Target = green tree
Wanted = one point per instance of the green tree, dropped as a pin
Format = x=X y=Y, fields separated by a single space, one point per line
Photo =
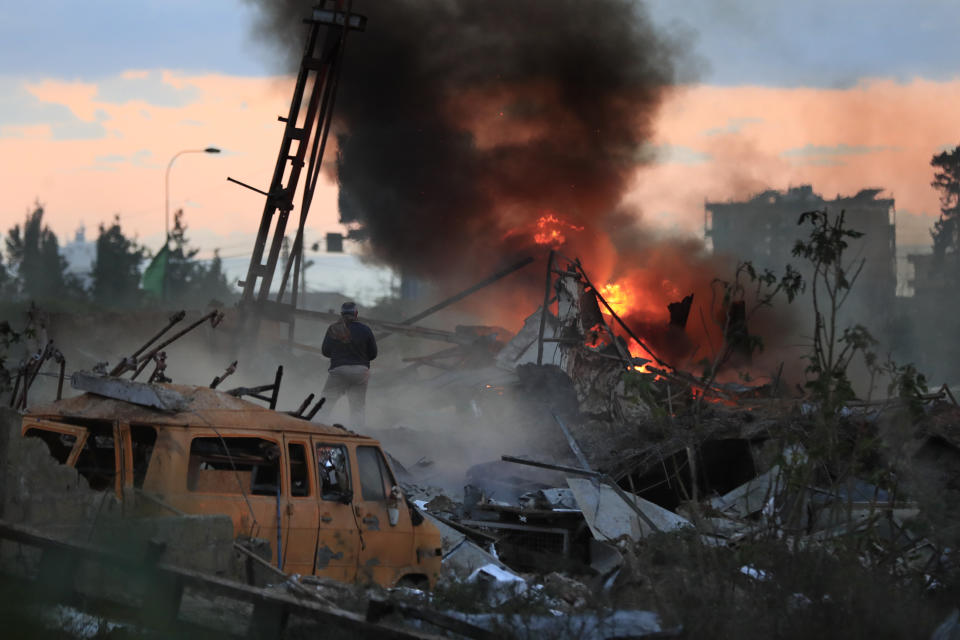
x=116 y=270
x=34 y=254
x=182 y=270
x=212 y=284
x=7 y=283
x=946 y=180
x=188 y=282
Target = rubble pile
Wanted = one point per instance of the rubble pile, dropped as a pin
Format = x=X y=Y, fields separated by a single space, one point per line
x=581 y=491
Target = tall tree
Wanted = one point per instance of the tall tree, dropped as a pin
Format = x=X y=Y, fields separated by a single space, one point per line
x=212 y=284
x=116 y=270
x=946 y=180
x=187 y=281
x=182 y=269
x=6 y=281
x=35 y=256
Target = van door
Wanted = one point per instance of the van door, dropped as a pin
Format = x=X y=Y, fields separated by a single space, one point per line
x=239 y=476
x=301 y=516
x=93 y=449
x=63 y=440
x=338 y=538
x=387 y=547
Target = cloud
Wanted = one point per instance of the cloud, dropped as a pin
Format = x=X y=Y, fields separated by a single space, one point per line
x=110 y=161
x=20 y=107
x=70 y=40
x=831 y=156
x=22 y=112
x=733 y=125
x=78 y=130
x=145 y=86
x=819 y=43
x=679 y=154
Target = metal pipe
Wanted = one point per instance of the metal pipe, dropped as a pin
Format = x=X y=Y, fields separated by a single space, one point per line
x=167 y=183
x=276 y=387
x=316 y=408
x=303 y=405
x=577 y=451
x=622 y=323
x=214 y=317
x=544 y=309
x=226 y=374
x=466 y=292
x=123 y=364
x=63 y=366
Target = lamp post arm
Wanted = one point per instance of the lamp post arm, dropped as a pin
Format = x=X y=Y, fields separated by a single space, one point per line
x=167 y=182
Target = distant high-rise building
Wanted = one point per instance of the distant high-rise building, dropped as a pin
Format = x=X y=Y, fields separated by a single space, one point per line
x=80 y=256
x=764 y=230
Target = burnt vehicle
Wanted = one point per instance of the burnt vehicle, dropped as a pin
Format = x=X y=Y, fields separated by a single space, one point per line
x=324 y=498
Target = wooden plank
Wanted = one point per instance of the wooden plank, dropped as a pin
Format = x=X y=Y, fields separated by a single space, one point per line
x=181 y=578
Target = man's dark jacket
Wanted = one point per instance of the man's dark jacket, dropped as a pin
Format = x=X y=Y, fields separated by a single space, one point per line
x=349 y=343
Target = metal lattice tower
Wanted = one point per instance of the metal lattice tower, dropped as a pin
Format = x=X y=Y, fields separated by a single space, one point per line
x=303 y=144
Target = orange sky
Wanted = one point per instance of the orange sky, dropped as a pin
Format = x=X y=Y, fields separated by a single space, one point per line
x=879 y=133
x=716 y=143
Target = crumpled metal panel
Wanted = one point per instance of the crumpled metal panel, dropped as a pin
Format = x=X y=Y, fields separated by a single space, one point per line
x=202 y=407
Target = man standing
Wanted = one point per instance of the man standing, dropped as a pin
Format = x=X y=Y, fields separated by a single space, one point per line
x=350 y=345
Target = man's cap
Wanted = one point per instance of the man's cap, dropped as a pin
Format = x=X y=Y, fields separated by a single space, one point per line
x=349 y=309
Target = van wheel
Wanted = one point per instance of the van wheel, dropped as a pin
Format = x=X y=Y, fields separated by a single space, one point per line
x=414 y=581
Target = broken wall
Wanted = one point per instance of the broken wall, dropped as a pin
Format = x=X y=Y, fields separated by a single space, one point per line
x=37 y=491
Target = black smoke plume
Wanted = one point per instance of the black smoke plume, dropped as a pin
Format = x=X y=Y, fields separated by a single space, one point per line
x=461 y=122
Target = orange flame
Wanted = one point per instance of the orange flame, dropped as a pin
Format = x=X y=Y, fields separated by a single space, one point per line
x=617 y=297
x=624 y=299
x=551 y=230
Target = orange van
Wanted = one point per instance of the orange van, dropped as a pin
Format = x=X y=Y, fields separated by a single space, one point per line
x=324 y=498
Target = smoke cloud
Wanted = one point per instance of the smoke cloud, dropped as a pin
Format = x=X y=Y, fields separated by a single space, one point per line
x=467 y=131
x=461 y=123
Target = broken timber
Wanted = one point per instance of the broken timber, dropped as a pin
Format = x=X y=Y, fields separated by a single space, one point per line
x=164 y=590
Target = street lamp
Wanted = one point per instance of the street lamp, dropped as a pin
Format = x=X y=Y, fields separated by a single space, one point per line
x=167 y=189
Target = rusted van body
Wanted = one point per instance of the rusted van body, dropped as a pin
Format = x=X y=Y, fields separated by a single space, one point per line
x=324 y=497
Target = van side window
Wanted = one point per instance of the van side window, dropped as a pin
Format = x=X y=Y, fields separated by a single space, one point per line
x=333 y=472
x=234 y=465
x=96 y=461
x=375 y=478
x=59 y=444
x=299 y=473
x=142 y=438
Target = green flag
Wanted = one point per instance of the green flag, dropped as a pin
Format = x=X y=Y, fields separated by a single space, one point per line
x=156 y=273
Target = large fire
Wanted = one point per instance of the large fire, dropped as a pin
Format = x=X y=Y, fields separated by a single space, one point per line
x=623 y=297
x=617 y=296
x=551 y=230
x=645 y=286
